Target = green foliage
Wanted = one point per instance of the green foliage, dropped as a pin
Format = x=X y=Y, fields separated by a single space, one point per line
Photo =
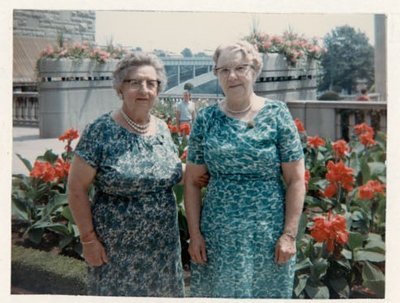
x=41 y=204
x=330 y=95
x=349 y=57
x=187 y=53
x=357 y=264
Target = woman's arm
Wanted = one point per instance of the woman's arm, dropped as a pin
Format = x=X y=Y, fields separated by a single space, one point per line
x=80 y=177
x=293 y=174
x=197 y=247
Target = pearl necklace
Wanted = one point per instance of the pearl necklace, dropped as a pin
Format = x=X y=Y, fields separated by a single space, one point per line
x=139 y=128
x=236 y=112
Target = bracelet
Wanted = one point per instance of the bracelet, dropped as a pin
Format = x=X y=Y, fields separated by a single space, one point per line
x=290 y=235
x=88 y=242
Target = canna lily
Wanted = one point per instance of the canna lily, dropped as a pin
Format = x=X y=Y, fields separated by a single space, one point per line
x=185 y=128
x=62 y=168
x=340 y=174
x=43 y=171
x=368 y=190
x=315 y=142
x=70 y=135
x=299 y=125
x=307 y=178
x=340 y=148
x=365 y=133
x=331 y=229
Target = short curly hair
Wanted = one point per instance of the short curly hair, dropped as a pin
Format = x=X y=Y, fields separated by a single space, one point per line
x=134 y=60
x=248 y=50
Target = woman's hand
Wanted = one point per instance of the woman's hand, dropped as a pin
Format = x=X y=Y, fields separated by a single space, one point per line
x=197 y=249
x=285 y=249
x=94 y=253
x=202 y=180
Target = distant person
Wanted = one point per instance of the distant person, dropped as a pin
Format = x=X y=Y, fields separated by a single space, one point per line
x=364 y=95
x=185 y=111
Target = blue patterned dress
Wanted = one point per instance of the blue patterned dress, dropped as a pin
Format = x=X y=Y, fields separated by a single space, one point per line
x=243 y=211
x=134 y=210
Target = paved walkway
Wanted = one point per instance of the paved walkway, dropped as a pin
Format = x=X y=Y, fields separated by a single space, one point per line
x=29 y=145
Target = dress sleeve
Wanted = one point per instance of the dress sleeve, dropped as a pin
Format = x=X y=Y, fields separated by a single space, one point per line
x=288 y=140
x=88 y=147
x=196 y=140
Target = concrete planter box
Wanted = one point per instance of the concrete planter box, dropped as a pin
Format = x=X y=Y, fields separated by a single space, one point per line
x=278 y=80
x=73 y=93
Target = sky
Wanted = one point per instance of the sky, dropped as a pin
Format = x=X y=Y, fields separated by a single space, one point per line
x=204 y=31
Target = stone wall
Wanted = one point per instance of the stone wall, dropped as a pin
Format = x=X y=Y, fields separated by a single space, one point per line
x=74 y=25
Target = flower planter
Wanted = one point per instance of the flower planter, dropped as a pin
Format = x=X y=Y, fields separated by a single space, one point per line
x=279 y=80
x=73 y=93
x=62 y=68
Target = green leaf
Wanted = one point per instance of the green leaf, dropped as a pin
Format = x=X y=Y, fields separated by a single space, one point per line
x=365 y=171
x=306 y=263
x=347 y=254
x=59 y=229
x=366 y=255
x=302 y=225
x=48 y=156
x=26 y=162
x=355 y=240
x=55 y=203
x=35 y=234
x=318 y=292
x=341 y=287
x=66 y=213
x=178 y=190
x=373 y=278
x=376 y=169
x=300 y=285
x=65 y=240
x=318 y=270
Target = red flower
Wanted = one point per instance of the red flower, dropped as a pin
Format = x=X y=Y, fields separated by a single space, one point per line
x=62 y=168
x=184 y=155
x=185 y=128
x=363 y=128
x=331 y=230
x=44 y=171
x=330 y=190
x=367 y=139
x=299 y=125
x=368 y=190
x=173 y=129
x=340 y=174
x=70 y=135
x=307 y=178
x=341 y=148
x=315 y=142
x=365 y=133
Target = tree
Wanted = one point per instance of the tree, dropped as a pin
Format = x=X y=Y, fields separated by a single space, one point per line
x=188 y=86
x=349 y=57
x=186 y=52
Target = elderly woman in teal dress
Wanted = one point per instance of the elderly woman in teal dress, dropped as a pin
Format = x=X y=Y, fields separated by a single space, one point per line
x=243 y=235
x=129 y=232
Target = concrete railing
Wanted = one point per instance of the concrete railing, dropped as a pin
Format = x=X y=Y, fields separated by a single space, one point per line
x=335 y=119
x=25 y=109
x=330 y=119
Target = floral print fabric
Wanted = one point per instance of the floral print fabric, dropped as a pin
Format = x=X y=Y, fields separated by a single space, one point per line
x=243 y=210
x=134 y=210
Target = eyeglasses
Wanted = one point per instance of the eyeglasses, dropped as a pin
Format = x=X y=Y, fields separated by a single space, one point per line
x=137 y=84
x=239 y=70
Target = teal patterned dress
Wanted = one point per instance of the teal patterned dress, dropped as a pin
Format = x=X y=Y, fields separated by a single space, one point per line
x=134 y=210
x=243 y=210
